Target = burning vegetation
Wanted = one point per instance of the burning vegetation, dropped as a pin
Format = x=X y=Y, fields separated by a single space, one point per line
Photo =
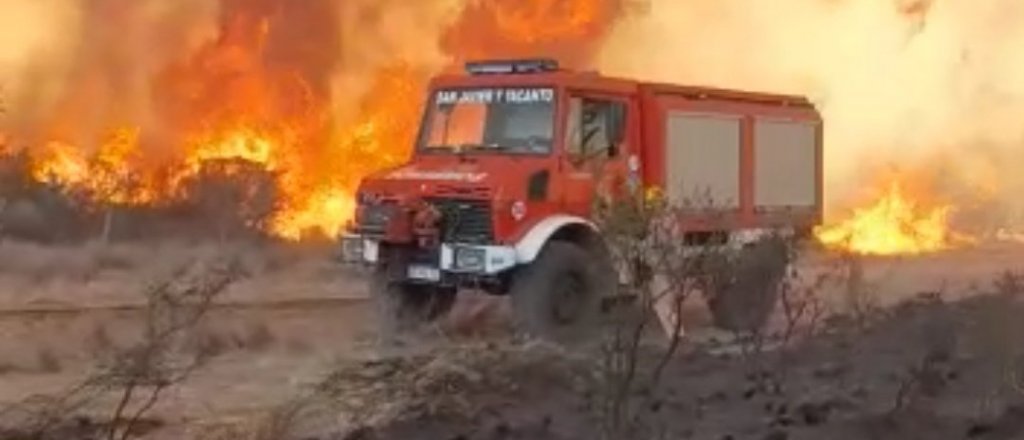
x=936 y=205
x=277 y=108
x=269 y=96
x=894 y=225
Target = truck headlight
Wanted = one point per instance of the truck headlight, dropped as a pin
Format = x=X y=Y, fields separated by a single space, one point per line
x=470 y=258
x=366 y=198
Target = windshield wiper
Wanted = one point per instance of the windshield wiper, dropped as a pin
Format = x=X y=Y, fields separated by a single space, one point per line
x=468 y=147
x=484 y=147
x=438 y=147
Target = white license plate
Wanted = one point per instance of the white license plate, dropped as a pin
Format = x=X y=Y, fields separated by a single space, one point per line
x=425 y=273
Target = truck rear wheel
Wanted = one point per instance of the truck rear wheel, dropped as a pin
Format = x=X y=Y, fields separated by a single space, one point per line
x=558 y=296
x=404 y=307
x=743 y=293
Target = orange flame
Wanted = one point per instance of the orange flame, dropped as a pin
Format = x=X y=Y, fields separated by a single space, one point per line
x=894 y=224
x=233 y=99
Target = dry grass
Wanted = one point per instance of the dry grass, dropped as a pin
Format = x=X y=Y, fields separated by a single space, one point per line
x=257 y=338
x=46 y=262
x=97 y=274
x=17 y=257
x=209 y=343
x=458 y=382
x=47 y=362
x=443 y=381
x=137 y=376
x=100 y=341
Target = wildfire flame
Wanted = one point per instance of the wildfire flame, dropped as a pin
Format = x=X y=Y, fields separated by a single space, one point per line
x=268 y=83
x=232 y=99
x=894 y=224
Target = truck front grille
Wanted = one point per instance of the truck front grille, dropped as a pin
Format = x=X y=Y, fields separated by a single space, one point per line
x=465 y=220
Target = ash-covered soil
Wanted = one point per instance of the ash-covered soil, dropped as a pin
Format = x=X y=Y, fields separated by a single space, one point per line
x=930 y=352
x=926 y=369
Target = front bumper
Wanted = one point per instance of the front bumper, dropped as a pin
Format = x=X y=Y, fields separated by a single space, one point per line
x=452 y=258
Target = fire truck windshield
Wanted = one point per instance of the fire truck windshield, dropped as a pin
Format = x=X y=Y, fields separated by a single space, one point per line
x=517 y=120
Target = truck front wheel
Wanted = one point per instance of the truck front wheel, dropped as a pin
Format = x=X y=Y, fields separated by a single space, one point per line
x=558 y=296
x=402 y=306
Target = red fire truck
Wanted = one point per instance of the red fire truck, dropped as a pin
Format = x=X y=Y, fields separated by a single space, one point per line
x=498 y=193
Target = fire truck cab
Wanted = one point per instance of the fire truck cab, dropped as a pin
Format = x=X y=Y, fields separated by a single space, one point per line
x=499 y=189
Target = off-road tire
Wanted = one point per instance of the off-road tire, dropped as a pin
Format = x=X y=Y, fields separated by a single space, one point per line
x=558 y=296
x=403 y=307
x=743 y=292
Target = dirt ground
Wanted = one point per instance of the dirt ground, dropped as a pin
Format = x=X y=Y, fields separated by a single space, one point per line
x=937 y=359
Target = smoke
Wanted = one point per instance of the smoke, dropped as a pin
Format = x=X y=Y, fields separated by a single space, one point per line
x=72 y=69
x=34 y=49
x=431 y=36
x=376 y=35
x=900 y=82
x=571 y=31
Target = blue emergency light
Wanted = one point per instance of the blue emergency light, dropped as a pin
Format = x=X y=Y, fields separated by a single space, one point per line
x=498 y=67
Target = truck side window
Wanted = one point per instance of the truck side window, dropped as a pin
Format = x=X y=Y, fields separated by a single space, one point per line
x=592 y=124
